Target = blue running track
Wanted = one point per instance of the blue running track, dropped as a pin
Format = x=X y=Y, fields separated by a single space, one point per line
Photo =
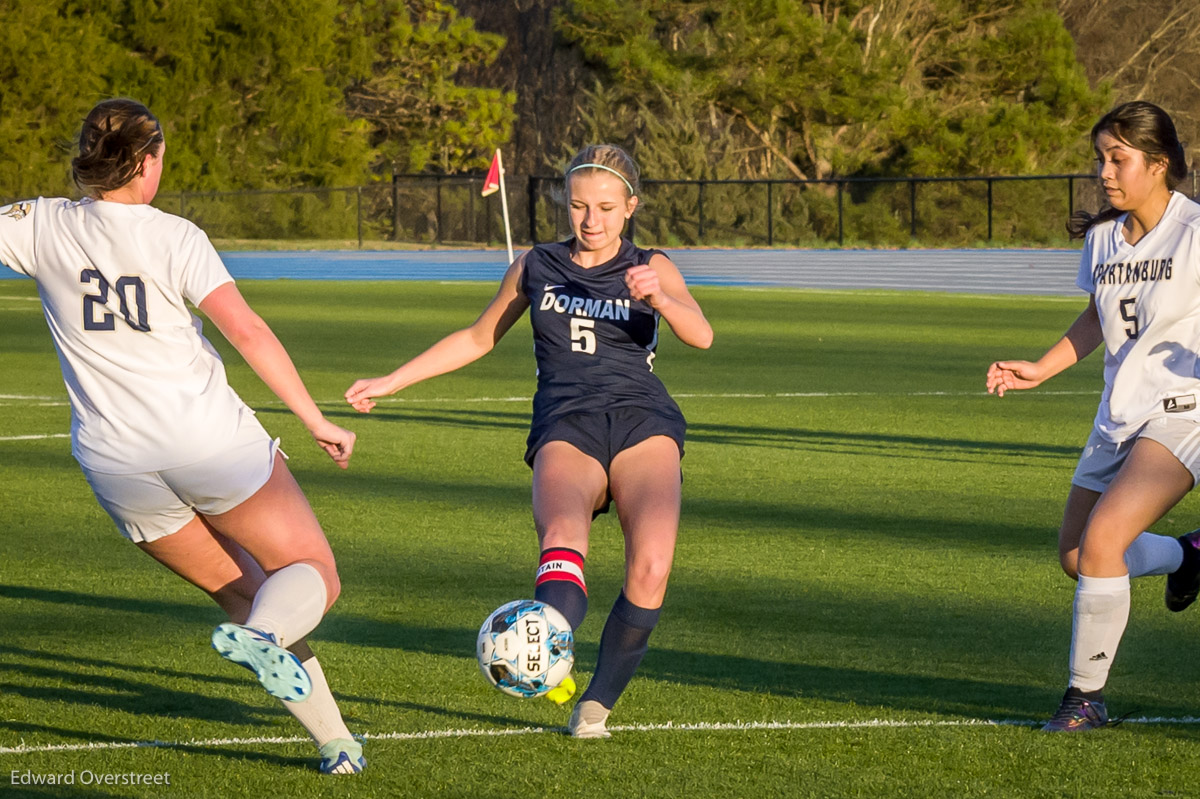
x=960 y=271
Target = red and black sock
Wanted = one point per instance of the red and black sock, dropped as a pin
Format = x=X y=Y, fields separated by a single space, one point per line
x=560 y=584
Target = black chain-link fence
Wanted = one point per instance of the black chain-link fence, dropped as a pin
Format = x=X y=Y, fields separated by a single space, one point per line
x=873 y=212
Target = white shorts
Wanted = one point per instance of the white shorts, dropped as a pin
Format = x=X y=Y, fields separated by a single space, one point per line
x=149 y=505
x=1102 y=459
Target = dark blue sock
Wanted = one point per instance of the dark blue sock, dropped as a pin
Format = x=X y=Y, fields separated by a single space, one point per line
x=560 y=584
x=622 y=645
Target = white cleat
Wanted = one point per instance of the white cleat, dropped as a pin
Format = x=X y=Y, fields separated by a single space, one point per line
x=587 y=720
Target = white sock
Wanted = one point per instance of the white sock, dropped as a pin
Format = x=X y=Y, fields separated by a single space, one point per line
x=289 y=604
x=1153 y=554
x=319 y=713
x=1101 y=611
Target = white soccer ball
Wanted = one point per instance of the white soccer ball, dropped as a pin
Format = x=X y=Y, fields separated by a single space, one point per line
x=525 y=648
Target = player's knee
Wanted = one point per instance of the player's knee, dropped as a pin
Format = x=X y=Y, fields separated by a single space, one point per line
x=649 y=575
x=329 y=575
x=333 y=587
x=1103 y=546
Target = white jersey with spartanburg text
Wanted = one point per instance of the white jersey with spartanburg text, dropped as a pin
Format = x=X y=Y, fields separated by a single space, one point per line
x=1148 y=299
x=148 y=391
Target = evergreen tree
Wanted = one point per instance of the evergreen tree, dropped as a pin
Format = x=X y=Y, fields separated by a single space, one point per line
x=251 y=93
x=836 y=88
x=403 y=58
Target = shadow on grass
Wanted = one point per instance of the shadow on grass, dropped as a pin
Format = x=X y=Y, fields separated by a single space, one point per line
x=857 y=524
x=877 y=444
x=470 y=419
x=83 y=681
x=209 y=615
x=795 y=517
x=840 y=442
x=93 y=737
x=899 y=631
x=92 y=681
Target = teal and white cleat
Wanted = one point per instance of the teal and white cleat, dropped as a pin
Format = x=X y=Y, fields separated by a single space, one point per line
x=277 y=669
x=342 y=756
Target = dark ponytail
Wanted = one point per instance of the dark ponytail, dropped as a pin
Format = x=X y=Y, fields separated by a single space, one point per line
x=115 y=137
x=1081 y=221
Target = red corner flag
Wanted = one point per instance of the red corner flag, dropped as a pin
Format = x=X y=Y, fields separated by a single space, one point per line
x=494 y=182
x=491 y=184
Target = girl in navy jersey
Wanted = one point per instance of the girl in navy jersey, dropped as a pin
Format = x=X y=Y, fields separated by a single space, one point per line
x=171 y=452
x=1141 y=268
x=604 y=429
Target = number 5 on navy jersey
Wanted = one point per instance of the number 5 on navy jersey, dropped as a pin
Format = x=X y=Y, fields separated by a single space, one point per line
x=583 y=337
x=105 y=320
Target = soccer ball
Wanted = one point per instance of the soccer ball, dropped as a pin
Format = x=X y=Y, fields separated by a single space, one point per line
x=525 y=648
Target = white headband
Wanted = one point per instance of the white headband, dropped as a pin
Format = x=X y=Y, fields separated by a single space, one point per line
x=606 y=169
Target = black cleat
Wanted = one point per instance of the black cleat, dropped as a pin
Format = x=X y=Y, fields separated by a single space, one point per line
x=1078 y=713
x=1183 y=584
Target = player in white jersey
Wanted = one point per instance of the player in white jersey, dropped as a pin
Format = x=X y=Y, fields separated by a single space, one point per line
x=604 y=427
x=171 y=452
x=1141 y=266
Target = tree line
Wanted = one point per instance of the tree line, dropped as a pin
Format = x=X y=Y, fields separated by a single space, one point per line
x=262 y=93
x=251 y=93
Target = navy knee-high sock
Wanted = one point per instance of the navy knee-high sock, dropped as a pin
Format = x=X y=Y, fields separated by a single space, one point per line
x=623 y=643
x=560 y=584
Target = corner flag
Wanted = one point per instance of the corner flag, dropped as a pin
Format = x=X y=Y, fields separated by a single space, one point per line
x=492 y=183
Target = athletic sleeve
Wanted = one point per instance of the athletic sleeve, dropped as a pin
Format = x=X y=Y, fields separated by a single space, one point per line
x=203 y=270
x=644 y=256
x=17 y=236
x=1086 y=280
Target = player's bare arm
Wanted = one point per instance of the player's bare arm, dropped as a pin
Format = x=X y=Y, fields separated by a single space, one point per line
x=1081 y=338
x=255 y=341
x=455 y=350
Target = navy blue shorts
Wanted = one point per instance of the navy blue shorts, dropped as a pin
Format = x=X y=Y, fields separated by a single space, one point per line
x=603 y=435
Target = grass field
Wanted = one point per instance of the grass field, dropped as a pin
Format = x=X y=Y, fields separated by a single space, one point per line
x=865 y=576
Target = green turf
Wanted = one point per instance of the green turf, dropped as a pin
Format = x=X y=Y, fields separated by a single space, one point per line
x=866 y=536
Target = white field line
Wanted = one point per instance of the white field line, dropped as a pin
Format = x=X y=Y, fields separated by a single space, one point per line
x=7 y=399
x=734 y=395
x=34 y=402
x=16 y=399
x=735 y=726
x=35 y=438
x=21 y=299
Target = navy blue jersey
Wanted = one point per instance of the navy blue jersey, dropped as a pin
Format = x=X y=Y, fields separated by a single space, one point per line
x=595 y=346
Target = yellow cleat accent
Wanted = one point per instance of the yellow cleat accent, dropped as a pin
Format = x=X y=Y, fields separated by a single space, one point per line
x=564 y=691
